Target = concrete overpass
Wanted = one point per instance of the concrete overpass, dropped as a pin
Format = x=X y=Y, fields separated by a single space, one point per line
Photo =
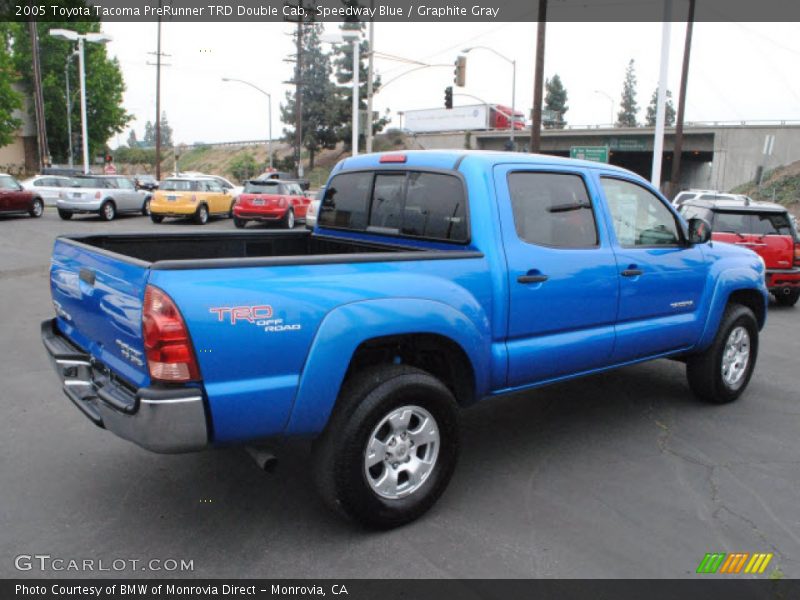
x=717 y=156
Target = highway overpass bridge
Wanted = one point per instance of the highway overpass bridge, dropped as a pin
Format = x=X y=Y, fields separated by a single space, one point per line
x=716 y=156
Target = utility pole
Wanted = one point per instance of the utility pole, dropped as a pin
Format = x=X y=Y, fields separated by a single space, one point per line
x=675 y=178
x=41 y=130
x=298 y=101
x=158 y=64
x=370 y=76
x=538 y=79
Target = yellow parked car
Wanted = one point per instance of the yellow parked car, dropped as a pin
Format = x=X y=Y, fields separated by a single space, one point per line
x=183 y=197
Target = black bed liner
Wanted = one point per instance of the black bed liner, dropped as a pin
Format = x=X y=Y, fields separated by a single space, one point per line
x=180 y=251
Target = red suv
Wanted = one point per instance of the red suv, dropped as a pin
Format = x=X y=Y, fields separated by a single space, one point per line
x=763 y=227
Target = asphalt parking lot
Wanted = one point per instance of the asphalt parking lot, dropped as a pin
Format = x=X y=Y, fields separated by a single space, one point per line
x=623 y=474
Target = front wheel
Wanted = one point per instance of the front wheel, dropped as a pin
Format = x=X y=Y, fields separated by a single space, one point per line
x=156 y=218
x=787 y=297
x=37 y=208
x=390 y=447
x=64 y=214
x=721 y=373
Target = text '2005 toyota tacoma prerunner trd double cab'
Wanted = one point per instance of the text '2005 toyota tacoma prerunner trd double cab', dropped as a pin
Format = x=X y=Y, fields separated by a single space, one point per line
x=432 y=280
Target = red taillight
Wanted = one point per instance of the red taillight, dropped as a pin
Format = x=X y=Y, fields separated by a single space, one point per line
x=170 y=356
x=393 y=158
x=797 y=254
x=98 y=195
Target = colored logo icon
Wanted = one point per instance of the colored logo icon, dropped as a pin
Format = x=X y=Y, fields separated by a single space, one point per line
x=734 y=563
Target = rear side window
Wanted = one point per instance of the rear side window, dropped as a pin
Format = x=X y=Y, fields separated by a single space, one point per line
x=552 y=209
x=346 y=201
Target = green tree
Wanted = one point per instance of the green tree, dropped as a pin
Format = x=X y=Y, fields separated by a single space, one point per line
x=344 y=77
x=669 y=110
x=626 y=117
x=320 y=110
x=165 y=131
x=10 y=98
x=149 y=135
x=104 y=84
x=555 y=100
x=243 y=166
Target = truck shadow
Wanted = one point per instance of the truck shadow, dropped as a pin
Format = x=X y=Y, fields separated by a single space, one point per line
x=220 y=502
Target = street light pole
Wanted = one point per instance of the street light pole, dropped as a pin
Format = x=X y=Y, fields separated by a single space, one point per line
x=81 y=38
x=69 y=110
x=269 y=108
x=356 y=89
x=513 y=63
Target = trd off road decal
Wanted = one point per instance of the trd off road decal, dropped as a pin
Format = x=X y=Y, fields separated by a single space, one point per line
x=260 y=316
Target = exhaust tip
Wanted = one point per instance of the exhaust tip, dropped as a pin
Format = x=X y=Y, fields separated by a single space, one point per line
x=265 y=460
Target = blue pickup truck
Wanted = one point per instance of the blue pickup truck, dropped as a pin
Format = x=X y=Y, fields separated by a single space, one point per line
x=433 y=280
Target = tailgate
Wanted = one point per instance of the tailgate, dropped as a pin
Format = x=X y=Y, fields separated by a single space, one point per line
x=98 y=300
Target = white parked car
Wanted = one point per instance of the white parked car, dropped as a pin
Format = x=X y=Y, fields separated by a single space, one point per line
x=47 y=187
x=313 y=210
x=104 y=195
x=227 y=185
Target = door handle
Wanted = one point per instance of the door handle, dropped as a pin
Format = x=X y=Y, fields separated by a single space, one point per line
x=631 y=272
x=532 y=278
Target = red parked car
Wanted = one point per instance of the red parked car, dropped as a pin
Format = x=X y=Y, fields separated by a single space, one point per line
x=763 y=227
x=16 y=199
x=272 y=201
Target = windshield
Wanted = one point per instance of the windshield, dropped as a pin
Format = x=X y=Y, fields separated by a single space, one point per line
x=261 y=187
x=178 y=185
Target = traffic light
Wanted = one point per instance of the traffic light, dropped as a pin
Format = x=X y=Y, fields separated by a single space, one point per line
x=460 y=73
x=448 y=97
x=109 y=158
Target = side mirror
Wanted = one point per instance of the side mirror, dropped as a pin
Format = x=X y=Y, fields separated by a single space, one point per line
x=699 y=231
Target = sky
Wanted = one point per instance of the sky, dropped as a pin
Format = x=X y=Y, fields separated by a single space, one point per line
x=739 y=71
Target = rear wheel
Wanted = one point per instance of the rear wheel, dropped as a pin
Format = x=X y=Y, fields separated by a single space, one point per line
x=108 y=211
x=390 y=447
x=64 y=214
x=37 y=208
x=787 y=297
x=239 y=223
x=721 y=373
x=201 y=216
x=288 y=220
x=156 y=218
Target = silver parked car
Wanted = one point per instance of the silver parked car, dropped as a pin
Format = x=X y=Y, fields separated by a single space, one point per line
x=104 y=195
x=47 y=187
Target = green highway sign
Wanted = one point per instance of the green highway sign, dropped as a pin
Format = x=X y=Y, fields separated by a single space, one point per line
x=594 y=153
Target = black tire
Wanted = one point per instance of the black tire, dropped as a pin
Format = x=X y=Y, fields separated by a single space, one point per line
x=64 y=214
x=201 y=216
x=108 y=211
x=705 y=370
x=790 y=299
x=156 y=218
x=146 y=208
x=239 y=223
x=288 y=220
x=339 y=453
x=37 y=208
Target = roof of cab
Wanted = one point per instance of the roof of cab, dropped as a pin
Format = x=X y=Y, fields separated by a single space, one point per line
x=451 y=159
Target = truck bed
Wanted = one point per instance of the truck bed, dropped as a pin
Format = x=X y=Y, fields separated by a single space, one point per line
x=236 y=249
